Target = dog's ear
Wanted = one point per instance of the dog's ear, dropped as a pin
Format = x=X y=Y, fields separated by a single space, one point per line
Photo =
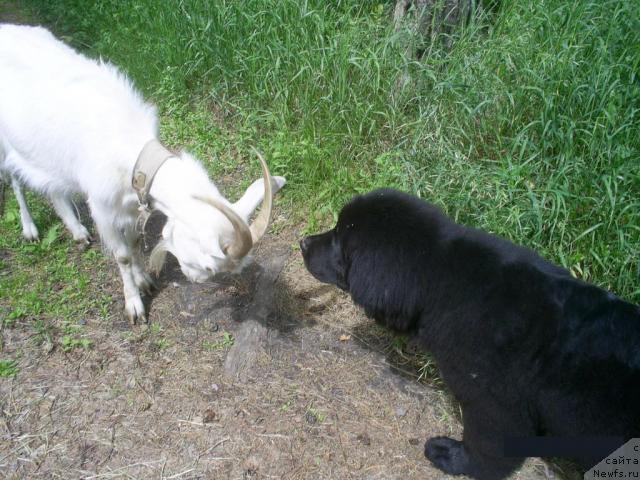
x=389 y=288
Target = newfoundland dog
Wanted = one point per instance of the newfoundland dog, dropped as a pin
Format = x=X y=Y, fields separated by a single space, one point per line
x=542 y=364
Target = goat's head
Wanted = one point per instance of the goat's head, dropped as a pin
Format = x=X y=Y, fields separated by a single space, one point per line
x=220 y=238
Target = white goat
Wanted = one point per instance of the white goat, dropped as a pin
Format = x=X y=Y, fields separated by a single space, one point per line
x=72 y=124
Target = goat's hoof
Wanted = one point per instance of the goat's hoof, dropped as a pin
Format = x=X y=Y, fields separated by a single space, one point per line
x=83 y=245
x=137 y=319
x=81 y=235
x=30 y=233
x=134 y=309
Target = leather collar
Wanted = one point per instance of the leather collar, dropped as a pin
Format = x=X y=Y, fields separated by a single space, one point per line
x=149 y=161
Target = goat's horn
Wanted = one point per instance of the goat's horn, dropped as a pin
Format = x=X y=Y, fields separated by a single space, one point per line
x=242 y=242
x=260 y=224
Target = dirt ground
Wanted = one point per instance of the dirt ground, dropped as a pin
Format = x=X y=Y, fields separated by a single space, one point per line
x=266 y=374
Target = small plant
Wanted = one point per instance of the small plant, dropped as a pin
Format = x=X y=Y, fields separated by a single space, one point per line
x=399 y=344
x=15 y=314
x=161 y=343
x=314 y=415
x=286 y=406
x=156 y=337
x=156 y=329
x=71 y=343
x=73 y=339
x=43 y=332
x=49 y=239
x=225 y=342
x=8 y=368
x=429 y=371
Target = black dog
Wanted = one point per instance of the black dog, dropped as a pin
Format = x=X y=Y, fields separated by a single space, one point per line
x=528 y=350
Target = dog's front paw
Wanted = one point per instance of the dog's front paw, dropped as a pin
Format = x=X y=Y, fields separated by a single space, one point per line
x=447 y=454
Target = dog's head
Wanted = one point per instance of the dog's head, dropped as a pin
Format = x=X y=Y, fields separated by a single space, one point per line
x=377 y=252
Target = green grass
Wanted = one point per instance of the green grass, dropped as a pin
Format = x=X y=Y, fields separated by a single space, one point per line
x=8 y=368
x=49 y=287
x=527 y=128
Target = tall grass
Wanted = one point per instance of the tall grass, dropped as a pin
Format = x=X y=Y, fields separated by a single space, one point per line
x=528 y=127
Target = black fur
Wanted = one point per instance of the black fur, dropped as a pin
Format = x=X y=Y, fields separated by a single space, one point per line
x=525 y=348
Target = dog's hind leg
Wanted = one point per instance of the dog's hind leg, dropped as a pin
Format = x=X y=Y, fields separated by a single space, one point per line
x=480 y=455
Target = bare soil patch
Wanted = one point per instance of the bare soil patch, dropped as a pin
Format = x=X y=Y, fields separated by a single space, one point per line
x=266 y=374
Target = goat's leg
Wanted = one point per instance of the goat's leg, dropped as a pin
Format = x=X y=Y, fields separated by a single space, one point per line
x=141 y=278
x=119 y=241
x=29 y=230
x=133 y=306
x=65 y=210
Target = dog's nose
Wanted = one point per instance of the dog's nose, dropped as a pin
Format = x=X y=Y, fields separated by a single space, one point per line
x=304 y=244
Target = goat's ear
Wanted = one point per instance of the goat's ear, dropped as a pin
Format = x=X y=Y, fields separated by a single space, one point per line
x=250 y=200
x=157 y=257
x=254 y=195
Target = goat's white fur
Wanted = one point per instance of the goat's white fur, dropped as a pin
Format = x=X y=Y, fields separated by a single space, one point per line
x=70 y=124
